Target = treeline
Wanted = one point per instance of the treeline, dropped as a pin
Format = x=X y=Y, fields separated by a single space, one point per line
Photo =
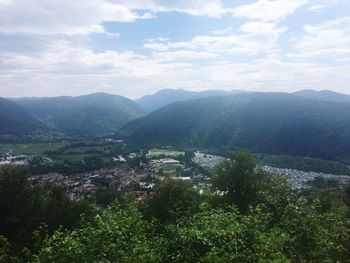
x=67 y=167
x=27 y=209
x=247 y=216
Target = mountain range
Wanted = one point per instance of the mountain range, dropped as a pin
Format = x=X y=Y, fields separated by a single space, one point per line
x=16 y=120
x=306 y=123
x=323 y=95
x=275 y=123
x=89 y=114
x=167 y=96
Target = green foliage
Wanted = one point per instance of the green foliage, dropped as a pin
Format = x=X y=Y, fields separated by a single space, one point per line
x=239 y=181
x=116 y=235
x=284 y=227
x=5 y=251
x=104 y=197
x=219 y=236
x=172 y=200
x=24 y=207
x=312 y=235
x=260 y=218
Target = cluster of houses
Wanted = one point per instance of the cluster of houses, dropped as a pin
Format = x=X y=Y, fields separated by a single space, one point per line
x=207 y=160
x=15 y=160
x=86 y=184
x=298 y=179
x=301 y=179
x=122 y=178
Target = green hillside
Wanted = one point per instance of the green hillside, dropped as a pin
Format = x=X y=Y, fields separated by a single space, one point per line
x=16 y=120
x=90 y=114
x=167 y=96
x=274 y=123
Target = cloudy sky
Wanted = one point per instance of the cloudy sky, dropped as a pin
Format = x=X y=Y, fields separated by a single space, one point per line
x=136 y=47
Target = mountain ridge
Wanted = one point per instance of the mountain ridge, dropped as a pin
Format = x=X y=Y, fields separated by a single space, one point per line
x=165 y=97
x=16 y=120
x=86 y=114
x=276 y=123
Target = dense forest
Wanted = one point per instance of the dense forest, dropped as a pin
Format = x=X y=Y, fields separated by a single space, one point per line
x=247 y=216
x=272 y=123
x=16 y=120
x=96 y=113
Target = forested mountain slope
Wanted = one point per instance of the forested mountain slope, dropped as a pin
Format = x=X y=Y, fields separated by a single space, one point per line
x=167 y=96
x=15 y=120
x=276 y=123
x=90 y=114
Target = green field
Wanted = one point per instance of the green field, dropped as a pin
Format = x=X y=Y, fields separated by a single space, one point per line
x=83 y=149
x=72 y=157
x=37 y=149
x=154 y=153
x=59 y=151
x=170 y=169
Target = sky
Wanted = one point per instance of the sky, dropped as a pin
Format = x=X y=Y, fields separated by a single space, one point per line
x=137 y=47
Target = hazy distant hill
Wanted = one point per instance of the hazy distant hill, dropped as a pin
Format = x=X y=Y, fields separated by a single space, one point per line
x=273 y=123
x=323 y=95
x=167 y=96
x=15 y=120
x=90 y=114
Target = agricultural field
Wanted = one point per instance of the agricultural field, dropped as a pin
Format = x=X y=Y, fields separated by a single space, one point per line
x=58 y=153
x=155 y=153
x=84 y=149
x=37 y=149
x=74 y=158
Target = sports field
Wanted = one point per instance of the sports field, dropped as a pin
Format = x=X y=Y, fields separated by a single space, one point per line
x=171 y=169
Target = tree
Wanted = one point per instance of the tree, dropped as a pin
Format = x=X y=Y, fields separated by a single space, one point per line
x=347 y=196
x=239 y=180
x=224 y=236
x=17 y=212
x=312 y=234
x=5 y=251
x=25 y=207
x=171 y=200
x=116 y=235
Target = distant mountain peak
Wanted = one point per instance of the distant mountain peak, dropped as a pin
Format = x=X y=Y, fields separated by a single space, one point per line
x=323 y=95
x=96 y=113
x=167 y=96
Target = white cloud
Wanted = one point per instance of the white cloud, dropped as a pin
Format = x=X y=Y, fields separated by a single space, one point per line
x=252 y=38
x=44 y=50
x=222 y=31
x=212 y=8
x=329 y=40
x=316 y=8
x=47 y=17
x=61 y=17
x=261 y=28
x=170 y=56
x=268 y=10
x=73 y=69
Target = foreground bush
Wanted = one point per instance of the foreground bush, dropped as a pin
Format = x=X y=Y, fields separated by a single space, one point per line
x=117 y=235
